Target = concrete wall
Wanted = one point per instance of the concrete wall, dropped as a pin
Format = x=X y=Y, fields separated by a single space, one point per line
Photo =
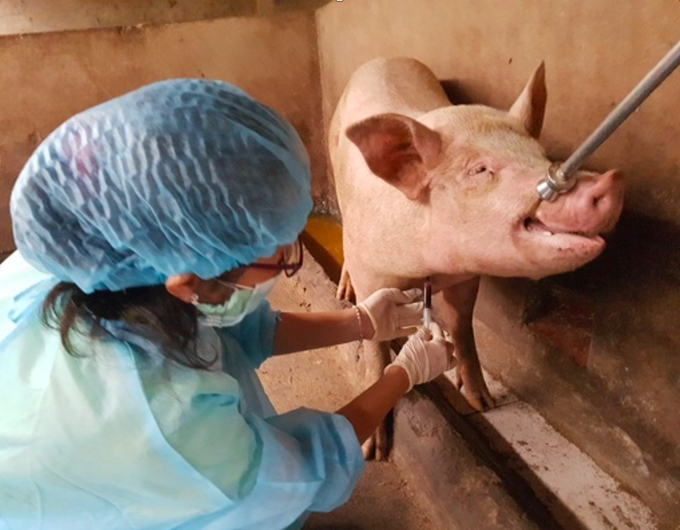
x=40 y=16
x=47 y=78
x=596 y=351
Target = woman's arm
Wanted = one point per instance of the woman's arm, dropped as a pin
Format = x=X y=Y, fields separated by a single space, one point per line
x=367 y=411
x=307 y=331
x=385 y=315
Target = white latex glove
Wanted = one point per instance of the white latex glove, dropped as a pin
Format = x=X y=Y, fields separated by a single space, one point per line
x=393 y=313
x=425 y=356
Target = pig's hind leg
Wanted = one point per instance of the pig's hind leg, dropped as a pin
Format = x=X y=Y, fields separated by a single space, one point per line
x=455 y=308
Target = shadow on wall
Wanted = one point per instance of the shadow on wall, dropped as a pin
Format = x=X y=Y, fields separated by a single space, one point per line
x=634 y=289
x=458 y=93
x=598 y=351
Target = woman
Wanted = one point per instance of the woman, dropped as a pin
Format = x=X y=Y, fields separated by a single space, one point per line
x=149 y=230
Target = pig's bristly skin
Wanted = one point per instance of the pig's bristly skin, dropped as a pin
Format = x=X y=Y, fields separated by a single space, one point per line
x=427 y=188
x=457 y=183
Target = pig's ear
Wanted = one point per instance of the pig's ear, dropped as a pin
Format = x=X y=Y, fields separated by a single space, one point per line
x=529 y=108
x=398 y=149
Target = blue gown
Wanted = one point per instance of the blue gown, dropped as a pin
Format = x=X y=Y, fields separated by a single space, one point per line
x=121 y=438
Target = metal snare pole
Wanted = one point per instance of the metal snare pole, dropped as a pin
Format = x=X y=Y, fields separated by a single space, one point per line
x=560 y=177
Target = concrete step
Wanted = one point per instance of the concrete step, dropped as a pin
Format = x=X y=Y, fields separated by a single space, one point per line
x=576 y=491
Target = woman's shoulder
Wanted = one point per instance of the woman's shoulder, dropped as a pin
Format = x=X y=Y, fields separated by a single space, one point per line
x=22 y=289
x=16 y=276
x=15 y=266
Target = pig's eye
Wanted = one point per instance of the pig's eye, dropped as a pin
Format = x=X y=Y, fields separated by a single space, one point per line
x=480 y=168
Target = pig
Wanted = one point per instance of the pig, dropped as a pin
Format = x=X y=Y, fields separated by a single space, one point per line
x=427 y=188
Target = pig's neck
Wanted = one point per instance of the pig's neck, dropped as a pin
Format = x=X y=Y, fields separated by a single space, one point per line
x=441 y=248
x=404 y=241
x=444 y=257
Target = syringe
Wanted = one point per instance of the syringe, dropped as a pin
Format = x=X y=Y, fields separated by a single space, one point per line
x=427 y=306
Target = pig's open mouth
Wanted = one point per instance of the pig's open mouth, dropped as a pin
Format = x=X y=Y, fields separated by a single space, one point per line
x=537 y=227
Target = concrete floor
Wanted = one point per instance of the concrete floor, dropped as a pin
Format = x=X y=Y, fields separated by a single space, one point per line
x=383 y=498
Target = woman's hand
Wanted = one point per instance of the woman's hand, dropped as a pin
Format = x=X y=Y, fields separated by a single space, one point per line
x=425 y=356
x=392 y=313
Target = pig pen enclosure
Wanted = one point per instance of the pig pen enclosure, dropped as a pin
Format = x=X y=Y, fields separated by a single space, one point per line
x=583 y=366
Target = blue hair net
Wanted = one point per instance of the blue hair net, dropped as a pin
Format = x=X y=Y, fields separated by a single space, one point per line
x=176 y=177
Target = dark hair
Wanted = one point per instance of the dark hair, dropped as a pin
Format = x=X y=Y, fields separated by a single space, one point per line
x=172 y=322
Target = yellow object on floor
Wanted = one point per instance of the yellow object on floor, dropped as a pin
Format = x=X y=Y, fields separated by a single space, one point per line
x=323 y=239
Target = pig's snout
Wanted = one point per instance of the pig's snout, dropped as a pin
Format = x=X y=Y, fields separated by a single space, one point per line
x=602 y=202
x=592 y=207
x=608 y=189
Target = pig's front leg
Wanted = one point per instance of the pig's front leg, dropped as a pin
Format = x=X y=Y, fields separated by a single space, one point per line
x=375 y=355
x=455 y=309
x=376 y=358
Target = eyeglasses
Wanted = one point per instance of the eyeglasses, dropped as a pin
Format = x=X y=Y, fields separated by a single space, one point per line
x=290 y=262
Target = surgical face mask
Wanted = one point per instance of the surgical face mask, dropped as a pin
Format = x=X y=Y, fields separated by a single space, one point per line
x=241 y=303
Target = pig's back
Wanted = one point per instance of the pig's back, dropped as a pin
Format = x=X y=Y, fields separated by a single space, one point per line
x=402 y=85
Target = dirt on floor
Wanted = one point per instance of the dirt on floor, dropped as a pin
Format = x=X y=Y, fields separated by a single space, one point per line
x=319 y=380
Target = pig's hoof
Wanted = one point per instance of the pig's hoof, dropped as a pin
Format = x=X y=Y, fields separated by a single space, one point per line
x=479 y=402
x=478 y=397
x=375 y=447
x=474 y=390
x=345 y=290
x=368 y=448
